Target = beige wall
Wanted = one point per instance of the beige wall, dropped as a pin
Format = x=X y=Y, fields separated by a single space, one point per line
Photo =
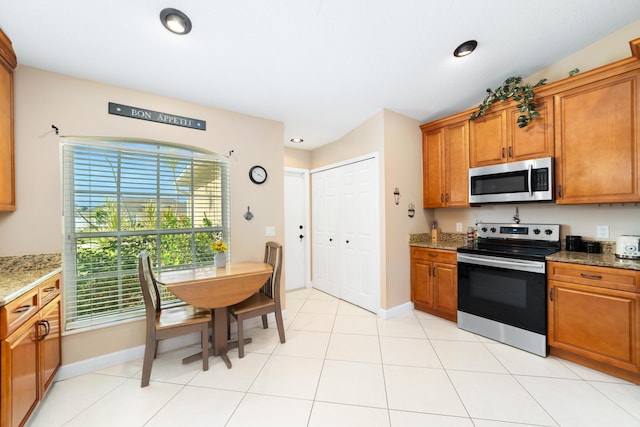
x=79 y=107
x=297 y=158
x=397 y=140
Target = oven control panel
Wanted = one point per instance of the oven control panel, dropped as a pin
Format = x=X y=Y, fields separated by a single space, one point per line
x=546 y=232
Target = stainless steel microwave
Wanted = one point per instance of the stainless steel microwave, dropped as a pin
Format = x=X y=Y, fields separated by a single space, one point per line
x=525 y=181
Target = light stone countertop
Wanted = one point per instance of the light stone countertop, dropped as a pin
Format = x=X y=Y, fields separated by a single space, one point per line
x=19 y=274
x=601 y=260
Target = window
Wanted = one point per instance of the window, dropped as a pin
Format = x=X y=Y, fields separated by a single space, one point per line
x=123 y=196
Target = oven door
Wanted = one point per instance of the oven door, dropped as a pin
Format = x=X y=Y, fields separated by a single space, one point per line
x=505 y=290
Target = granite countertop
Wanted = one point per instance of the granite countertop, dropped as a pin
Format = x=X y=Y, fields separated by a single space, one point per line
x=22 y=273
x=447 y=241
x=601 y=260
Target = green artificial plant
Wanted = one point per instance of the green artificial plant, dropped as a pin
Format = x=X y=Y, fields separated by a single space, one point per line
x=513 y=88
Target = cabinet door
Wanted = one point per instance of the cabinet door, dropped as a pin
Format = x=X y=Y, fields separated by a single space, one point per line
x=19 y=375
x=457 y=164
x=421 y=283
x=445 y=288
x=534 y=140
x=487 y=139
x=432 y=169
x=597 y=323
x=7 y=186
x=596 y=141
x=50 y=345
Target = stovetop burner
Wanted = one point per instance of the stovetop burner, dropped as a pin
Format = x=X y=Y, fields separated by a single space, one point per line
x=521 y=241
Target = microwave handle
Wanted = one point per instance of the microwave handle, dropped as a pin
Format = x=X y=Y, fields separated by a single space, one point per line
x=529 y=178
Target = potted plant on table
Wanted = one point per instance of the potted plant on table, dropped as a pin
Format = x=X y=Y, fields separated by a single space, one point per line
x=220 y=249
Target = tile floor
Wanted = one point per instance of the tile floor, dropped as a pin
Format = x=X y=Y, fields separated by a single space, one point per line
x=343 y=366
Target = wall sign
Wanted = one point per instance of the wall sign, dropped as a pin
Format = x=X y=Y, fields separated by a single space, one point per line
x=156 y=116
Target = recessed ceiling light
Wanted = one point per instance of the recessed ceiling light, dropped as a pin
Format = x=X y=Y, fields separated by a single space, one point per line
x=297 y=140
x=175 y=21
x=465 y=48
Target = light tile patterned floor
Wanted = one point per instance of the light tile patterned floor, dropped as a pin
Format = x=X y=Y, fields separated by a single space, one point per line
x=343 y=366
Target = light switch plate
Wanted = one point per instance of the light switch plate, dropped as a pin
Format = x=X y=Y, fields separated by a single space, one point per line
x=270 y=231
x=602 y=231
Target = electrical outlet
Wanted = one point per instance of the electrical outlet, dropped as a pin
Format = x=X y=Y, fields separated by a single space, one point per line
x=602 y=231
x=458 y=227
x=270 y=231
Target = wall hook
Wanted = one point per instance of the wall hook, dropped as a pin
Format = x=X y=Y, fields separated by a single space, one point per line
x=248 y=215
x=56 y=128
x=231 y=152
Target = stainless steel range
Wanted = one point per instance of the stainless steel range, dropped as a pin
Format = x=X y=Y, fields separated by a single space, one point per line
x=502 y=283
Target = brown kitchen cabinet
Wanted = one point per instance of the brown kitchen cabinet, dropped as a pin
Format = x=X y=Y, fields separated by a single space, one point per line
x=445 y=162
x=496 y=138
x=30 y=349
x=434 y=281
x=7 y=165
x=593 y=317
x=597 y=159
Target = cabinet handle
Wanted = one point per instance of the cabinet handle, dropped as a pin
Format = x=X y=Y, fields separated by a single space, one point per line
x=446 y=197
x=503 y=152
x=434 y=272
x=22 y=308
x=47 y=329
x=551 y=294
x=560 y=191
x=591 y=276
x=510 y=152
x=432 y=254
x=441 y=198
x=49 y=289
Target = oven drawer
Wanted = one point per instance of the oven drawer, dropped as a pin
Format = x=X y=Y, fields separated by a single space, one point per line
x=437 y=255
x=602 y=277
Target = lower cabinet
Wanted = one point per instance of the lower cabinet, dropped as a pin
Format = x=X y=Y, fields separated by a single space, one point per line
x=31 y=356
x=594 y=317
x=434 y=282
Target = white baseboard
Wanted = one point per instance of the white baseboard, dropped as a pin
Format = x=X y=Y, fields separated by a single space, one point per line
x=130 y=354
x=395 y=311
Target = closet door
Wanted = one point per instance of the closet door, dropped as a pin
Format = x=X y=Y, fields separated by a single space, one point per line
x=325 y=216
x=346 y=233
x=360 y=284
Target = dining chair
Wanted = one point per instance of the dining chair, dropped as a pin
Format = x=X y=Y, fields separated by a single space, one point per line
x=263 y=302
x=163 y=323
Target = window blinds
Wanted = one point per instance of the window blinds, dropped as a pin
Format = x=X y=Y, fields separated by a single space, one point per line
x=123 y=196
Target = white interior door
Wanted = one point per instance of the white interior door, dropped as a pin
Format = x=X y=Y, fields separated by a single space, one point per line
x=360 y=283
x=296 y=223
x=346 y=232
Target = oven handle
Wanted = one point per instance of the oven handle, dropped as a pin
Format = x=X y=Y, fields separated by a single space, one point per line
x=513 y=264
x=529 y=176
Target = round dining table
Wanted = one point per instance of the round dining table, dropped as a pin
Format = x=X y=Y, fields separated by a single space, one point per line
x=217 y=289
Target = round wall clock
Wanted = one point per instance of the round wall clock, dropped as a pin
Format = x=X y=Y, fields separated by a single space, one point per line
x=257 y=174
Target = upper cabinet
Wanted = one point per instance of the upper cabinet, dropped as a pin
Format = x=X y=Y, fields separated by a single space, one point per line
x=597 y=157
x=496 y=138
x=7 y=174
x=445 y=162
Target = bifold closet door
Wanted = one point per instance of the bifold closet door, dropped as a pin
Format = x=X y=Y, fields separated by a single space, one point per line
x=346 y=233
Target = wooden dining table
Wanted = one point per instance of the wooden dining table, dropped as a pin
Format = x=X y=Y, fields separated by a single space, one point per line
x=217 y=289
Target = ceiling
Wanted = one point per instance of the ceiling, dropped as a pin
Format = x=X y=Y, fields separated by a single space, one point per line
x=321 y=67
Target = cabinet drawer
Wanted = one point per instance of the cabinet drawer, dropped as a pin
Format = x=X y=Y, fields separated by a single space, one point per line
x=603 y=277
x=438 y=255
x=18 y=311
x=49 y=289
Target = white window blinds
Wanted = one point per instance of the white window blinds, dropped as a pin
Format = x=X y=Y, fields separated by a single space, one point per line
x=121 y=197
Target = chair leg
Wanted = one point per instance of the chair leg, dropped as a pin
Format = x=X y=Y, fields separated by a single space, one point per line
x=205 y=346
x=240 y=337
x=150 y=350
x=265 y=322
x=280 y=325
